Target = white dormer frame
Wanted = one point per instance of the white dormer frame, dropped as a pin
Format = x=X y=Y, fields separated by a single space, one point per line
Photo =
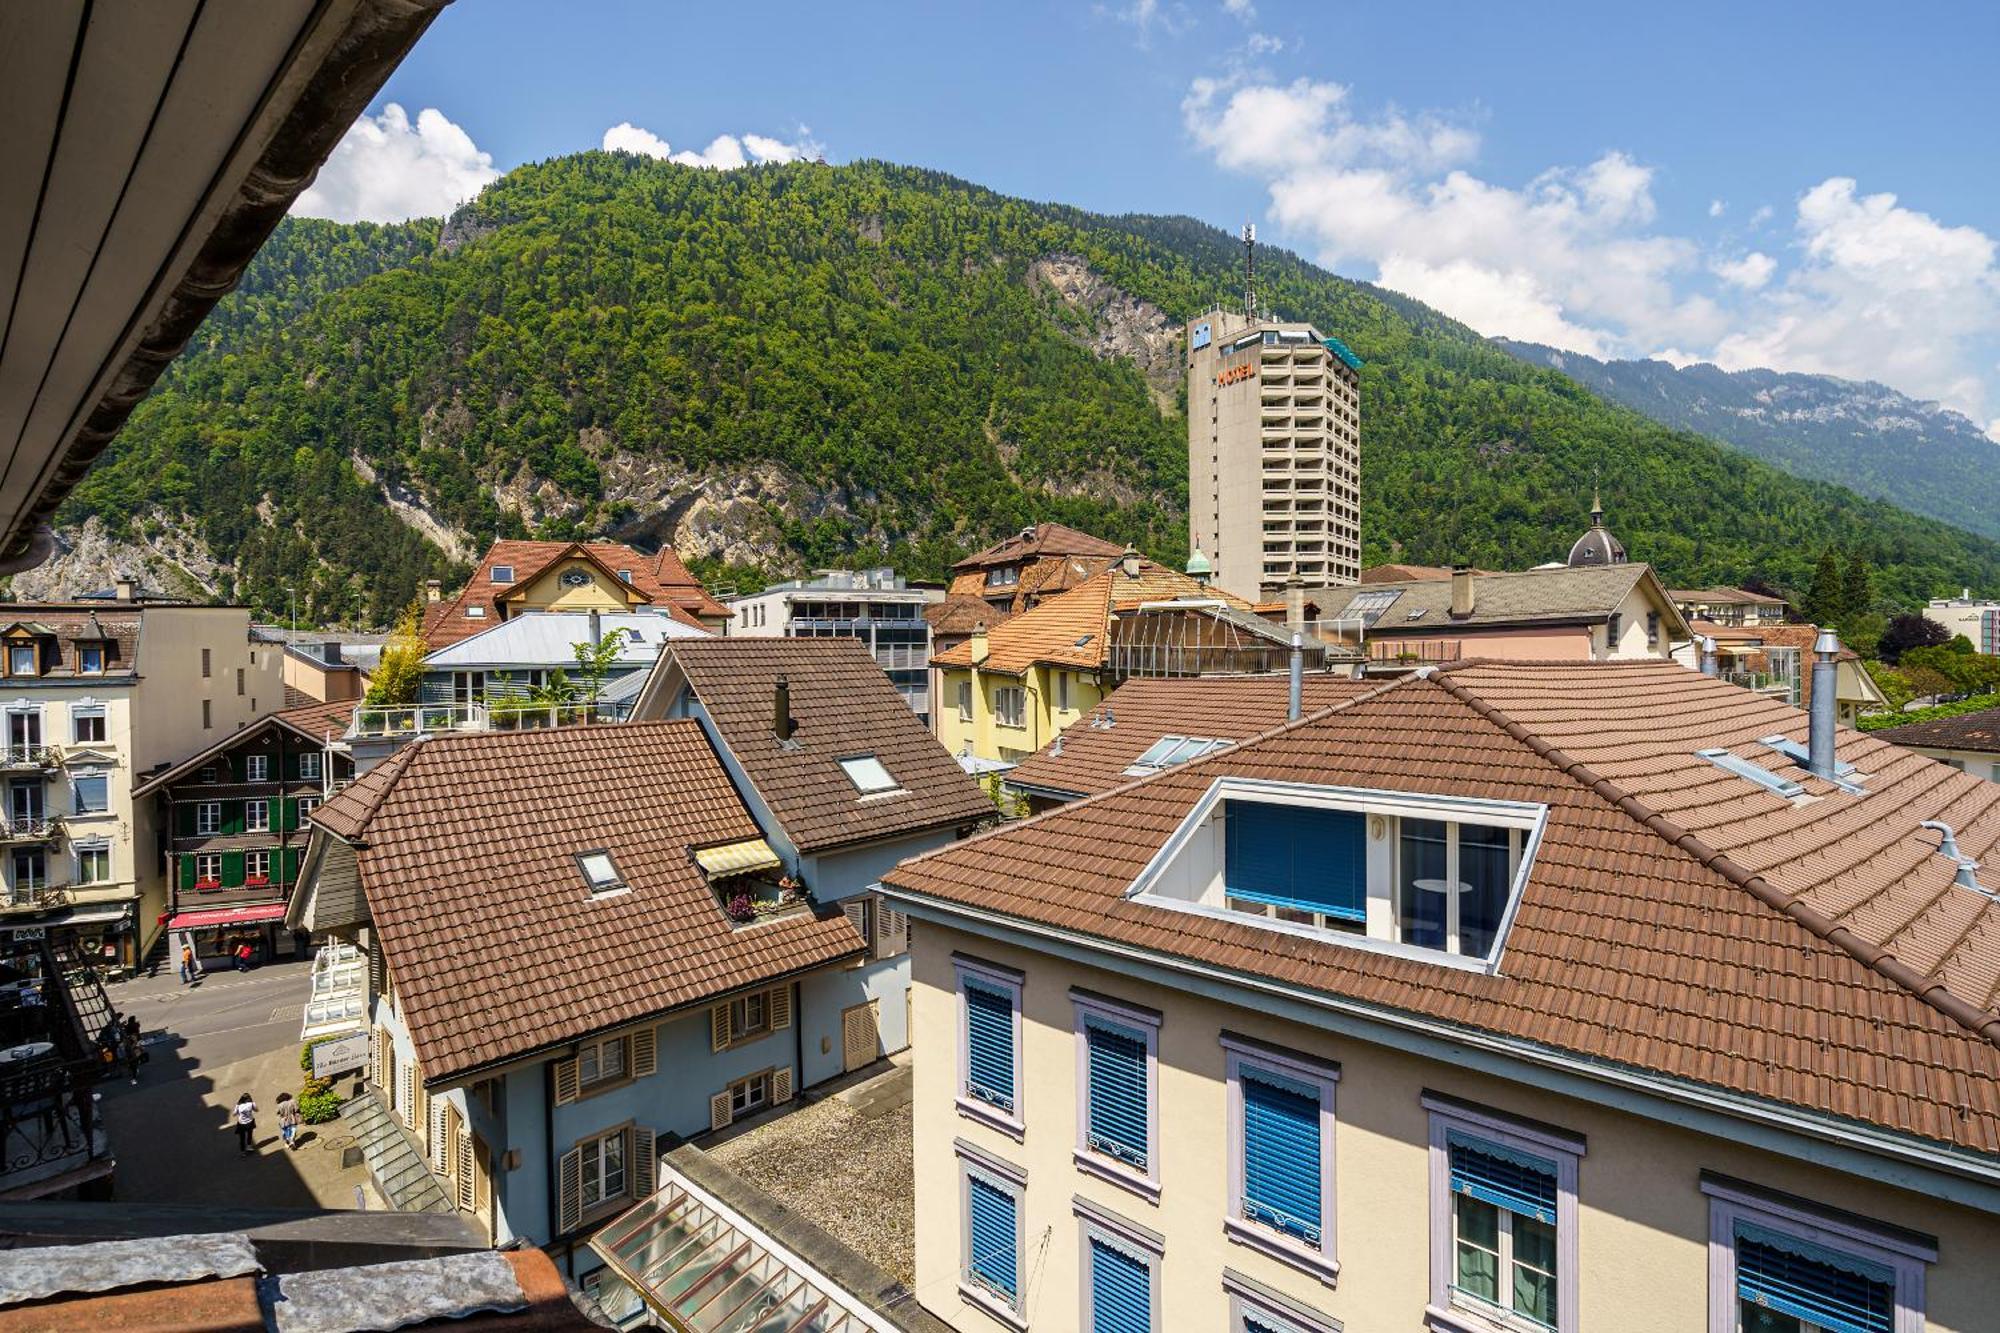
x=1528 y=816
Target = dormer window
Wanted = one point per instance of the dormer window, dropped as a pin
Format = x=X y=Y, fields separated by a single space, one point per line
x=24 y=659
x=1420 y=876
x=503 y=573
x=1005 y=576
x=624 y=576
x=90 y=659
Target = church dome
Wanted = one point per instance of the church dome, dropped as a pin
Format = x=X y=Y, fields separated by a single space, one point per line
x=1597 y=546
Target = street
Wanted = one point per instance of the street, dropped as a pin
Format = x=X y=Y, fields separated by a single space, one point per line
x=208 y=1044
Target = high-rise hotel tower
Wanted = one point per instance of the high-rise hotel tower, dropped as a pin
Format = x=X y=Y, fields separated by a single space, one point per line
x=1274 y=454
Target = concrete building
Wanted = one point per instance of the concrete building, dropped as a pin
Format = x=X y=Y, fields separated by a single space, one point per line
x=876 y=606
x=1274 y=454
x=1978 y=620
x=1507 y=997
x=97 y=695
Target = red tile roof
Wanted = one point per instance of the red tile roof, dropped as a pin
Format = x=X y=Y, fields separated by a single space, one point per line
x=1677 y=918
x=660 y=580
x=467 y=848
x=844 y=706
x=1094 y=758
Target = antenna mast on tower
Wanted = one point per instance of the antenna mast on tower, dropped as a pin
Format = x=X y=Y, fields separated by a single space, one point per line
x=1250 y=271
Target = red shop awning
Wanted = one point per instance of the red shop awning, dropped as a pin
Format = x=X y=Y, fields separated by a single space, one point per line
x=227 y=916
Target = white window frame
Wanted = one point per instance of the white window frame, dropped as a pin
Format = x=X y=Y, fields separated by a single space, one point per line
x=746 y=1085
x=256 y=768
x=76 y=802
x=98 y=847
x=1086 y=1005
x=887 y=786
x=1006 y=979
x=257 y=816
x=306 y=805
x=749 y=1031
x=595 y=1051
x=85 y=713
x=1018 y=694
x=1098 y=1223
x=309 y=765
x=249 y=873
x=1241 y=1053
x=965 y=701
x=1449 y=1312
x=1906 y=1254
x=199 y=859
x=207 y=818
x=1452 y=945
x=1251 y=1299
x=498 y=569
x=1011 y=1180
x=623 y=1134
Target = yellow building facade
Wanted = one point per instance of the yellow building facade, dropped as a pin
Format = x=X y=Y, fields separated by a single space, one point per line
x=1004 y=717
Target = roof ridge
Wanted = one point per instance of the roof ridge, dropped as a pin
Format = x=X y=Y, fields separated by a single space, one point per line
x=1979 y=1022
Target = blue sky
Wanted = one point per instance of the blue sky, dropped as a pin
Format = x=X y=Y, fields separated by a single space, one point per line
x=1807 y=187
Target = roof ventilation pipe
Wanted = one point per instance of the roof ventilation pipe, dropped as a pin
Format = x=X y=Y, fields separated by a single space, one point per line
x=782 y=724
x=1947 y=840
x=596 y=628
x=1825 y=705
x=1709 y=665
x=1295 y=698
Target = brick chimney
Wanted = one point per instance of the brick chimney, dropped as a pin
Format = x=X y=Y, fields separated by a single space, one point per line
x=433 y=590
x=1461 y=591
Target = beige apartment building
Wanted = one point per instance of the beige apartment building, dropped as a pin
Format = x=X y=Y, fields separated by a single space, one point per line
x=96 y=695
x=1274 y=454
x=1503 y=998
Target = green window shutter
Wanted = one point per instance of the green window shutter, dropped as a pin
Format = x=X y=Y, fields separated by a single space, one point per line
x=291 y=865
x=184 y=817
x=187 y=870
x=288 y=814
x=232 y=870
x=232 y=817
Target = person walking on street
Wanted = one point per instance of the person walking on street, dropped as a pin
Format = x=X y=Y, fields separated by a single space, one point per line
x=128 y=1047
x=245 y=1119
x=243 y=956
x=288 y=1118
x=187 y=964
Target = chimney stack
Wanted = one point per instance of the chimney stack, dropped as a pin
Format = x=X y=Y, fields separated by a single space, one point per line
x=596 y=628
x=1461 y=591
x=1295 y=602
x=978 y=647
x=1709 y=665
x=1295 y=698
x=782 y=722
x=124 y=588
x=1825 y=704
x=1129 y=562
x=433 y=590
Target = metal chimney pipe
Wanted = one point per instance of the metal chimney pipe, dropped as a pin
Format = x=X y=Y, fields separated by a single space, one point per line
x=596 y=629
x=1295 y=700
x=1709 y=665
x=1825 y=704
x=781 y=709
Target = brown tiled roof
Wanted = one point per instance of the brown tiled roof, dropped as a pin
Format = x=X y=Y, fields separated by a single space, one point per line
x=661 y=580
x=1053 y=559
x=309 y=723
x=70 y=625
x=962 y=614
x=1723 y=597
x=1050 y=631
x=1044 y=539
x=1230 y=708
x=467 y=849
x=1677 y=918
x=844 y=706
x=1567 y=595
x=1968 y=731
x=317 y=719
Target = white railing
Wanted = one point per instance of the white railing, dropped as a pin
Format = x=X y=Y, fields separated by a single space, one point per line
x=417 y=719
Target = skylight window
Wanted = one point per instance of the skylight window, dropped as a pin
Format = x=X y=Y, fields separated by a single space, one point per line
x=503 y=573
x=1170 y=750
x=600 y=872
x=1369 y=606
x=1420 y=876
x=868 y=775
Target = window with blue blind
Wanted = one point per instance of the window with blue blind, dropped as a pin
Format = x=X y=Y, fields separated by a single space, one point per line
x=1296 y=859
x=1785 y=1284
x=1281 y=1154
x=992 y=1240
x=1504 y=1238
x=1116 y=1100
x=989 y=1044
x=1496 y=1175
x=1121 y=1291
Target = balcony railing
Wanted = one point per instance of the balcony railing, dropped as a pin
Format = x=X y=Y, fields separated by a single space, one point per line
x=30 y=756
x=49 y=1125
x=31 y=828
x=501 y=715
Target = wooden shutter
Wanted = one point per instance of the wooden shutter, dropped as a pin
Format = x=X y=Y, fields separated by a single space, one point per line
x=645 y=1052
x=569 y=1190
x=781 y=1085
x=565 y=1082
x=462 y=1167
x=482 y=1178
x=420 y=1105
x=718 y=1027
x=779 y=1006
x=440 y=1129
x=718 y=1110
x=892 y=930
x=404 y=1095
x=856 y=912
x=645 y=1161
x=378 y=966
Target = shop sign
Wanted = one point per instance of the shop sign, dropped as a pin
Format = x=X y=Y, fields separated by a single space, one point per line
x=341 y=1054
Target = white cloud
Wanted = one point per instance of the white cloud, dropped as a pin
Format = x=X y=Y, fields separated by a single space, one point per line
x=1240 y=9
x=1751 y=272
x=1263 y=44
x=386 y=169
x=1866 y=288
x=725 y=152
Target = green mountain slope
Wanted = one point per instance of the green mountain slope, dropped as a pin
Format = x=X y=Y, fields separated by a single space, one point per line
x=804 y=364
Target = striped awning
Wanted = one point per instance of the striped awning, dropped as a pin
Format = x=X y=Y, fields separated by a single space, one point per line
x=736 y=858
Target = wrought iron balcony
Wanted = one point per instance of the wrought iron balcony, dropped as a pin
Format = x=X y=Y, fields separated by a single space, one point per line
x=31 y=828
x=51 y=1136
x=30 y=756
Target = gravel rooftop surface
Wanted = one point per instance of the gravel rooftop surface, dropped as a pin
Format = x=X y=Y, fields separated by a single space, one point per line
x=843 y=1165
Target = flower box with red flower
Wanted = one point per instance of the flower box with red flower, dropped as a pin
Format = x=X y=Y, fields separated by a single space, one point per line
x=208 y=884
x=256 y=881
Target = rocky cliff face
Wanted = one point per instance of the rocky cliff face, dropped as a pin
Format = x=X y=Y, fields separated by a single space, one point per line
x=167 y=557
x=1116 y=324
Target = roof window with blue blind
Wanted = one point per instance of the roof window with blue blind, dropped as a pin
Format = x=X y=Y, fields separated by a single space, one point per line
x=989 y=1002
x=1427 y=876
x=1281 y=1154
x=1116 y=1112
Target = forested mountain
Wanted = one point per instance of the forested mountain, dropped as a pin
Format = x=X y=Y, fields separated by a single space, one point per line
x=1919 y=455
x=794 y=365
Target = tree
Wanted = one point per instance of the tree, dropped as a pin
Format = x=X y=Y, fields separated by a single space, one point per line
x=399 y=674
x=1856 y=595
x=1906 y=632
x=595 y=660
x=1823 y=603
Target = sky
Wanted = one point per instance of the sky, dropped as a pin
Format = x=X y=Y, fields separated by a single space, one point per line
x=1800 y=187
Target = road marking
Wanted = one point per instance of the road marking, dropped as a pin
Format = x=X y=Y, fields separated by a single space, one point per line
x=285 y=1011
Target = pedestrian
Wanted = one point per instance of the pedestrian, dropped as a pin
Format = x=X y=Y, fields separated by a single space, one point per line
x=187 y=964
x=243 y=956
x=128 y=1047
x=288 y=1118
x=245 y=1120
